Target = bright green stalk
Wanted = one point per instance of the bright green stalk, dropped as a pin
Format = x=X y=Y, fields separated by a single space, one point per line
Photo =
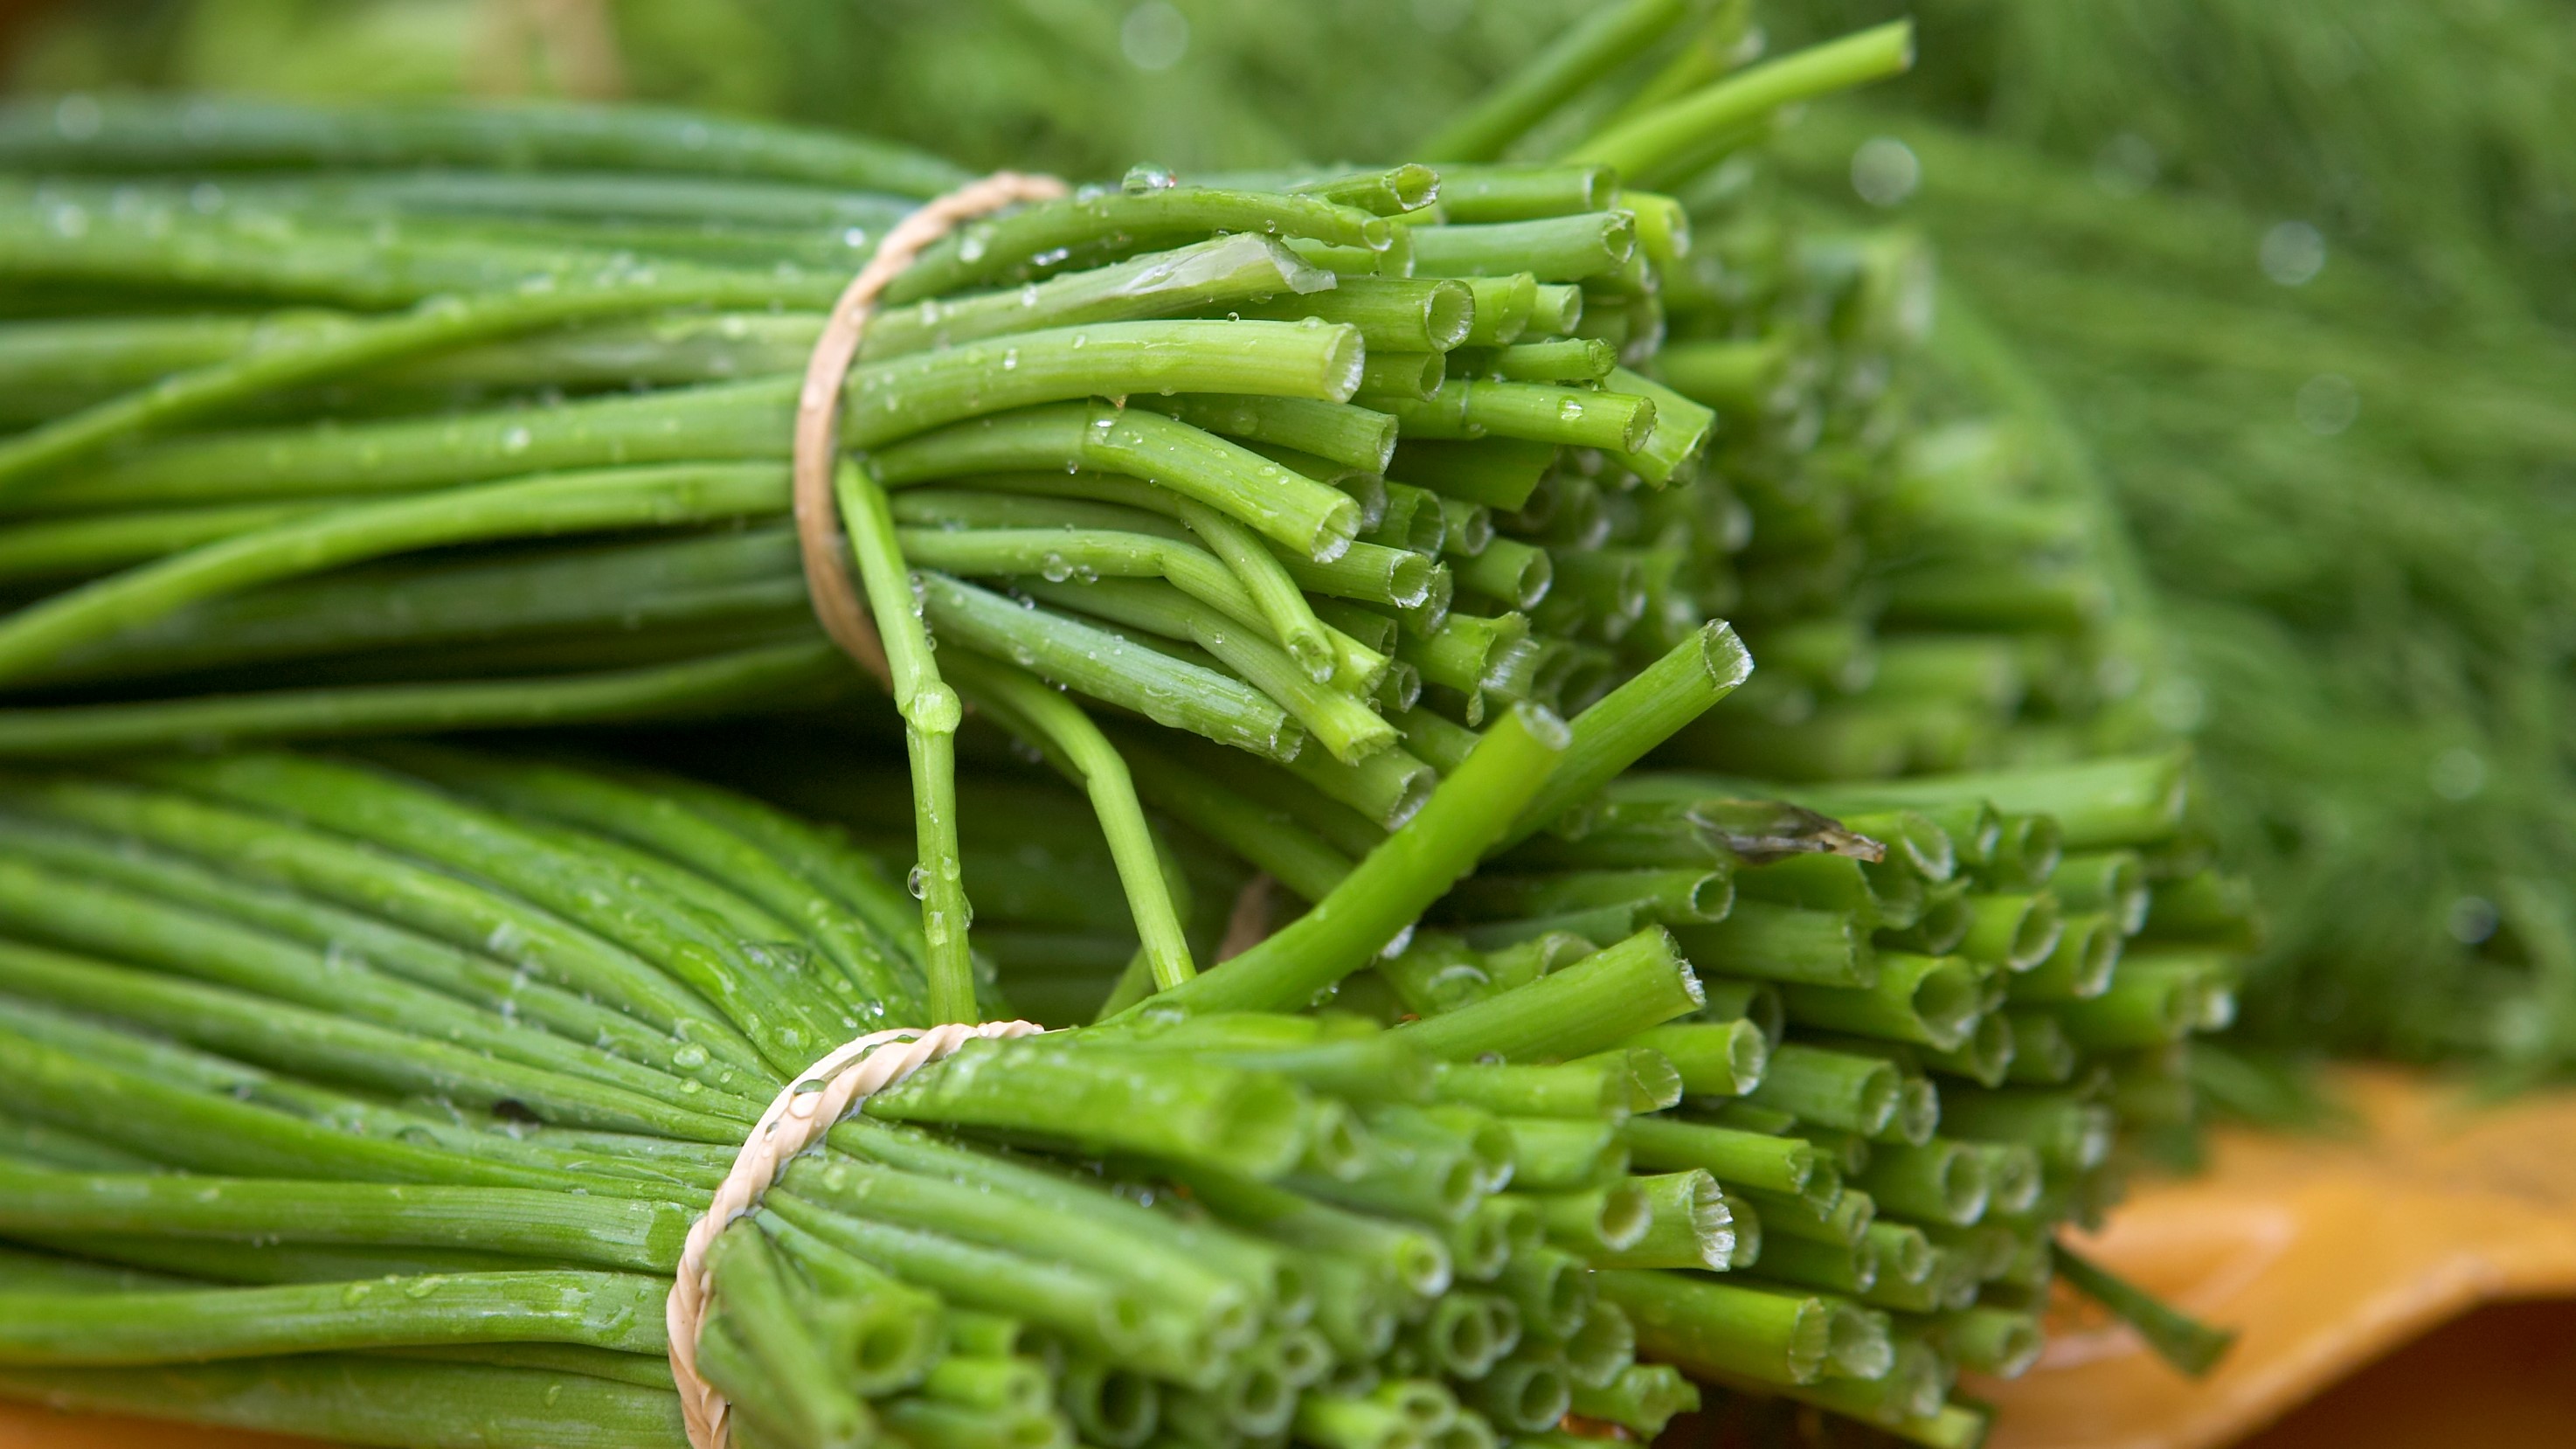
x=1842 y=1090
x=1643 y=1399
x=1466 y=409
x=637 y=1235
x=1386 y=891
x=1290 y=619
x=768 y=674
x=607 y=499
x=362 y=1399
x=931 y=713
x=1352 y=437
x=1713 y=1058
x=74 y=548
x=1786 y=944
x=1639 y=146
x=439 y=324
x=1587 y=1090
x=2188 y=1345
x=1584 y=54
x=1086 y=756
x=254 y=1028
x=1595 y=1003
x=1706 y=1327
x=1170 y=691
x=1741 y=1159
x=1640 y=714
x=1942 y=1181
x=1688 y=1225
x=883 y=401
x=992 y=249
x=1931 y=1000
x=1398 y=314
x=1347 y=728
x=439 y=904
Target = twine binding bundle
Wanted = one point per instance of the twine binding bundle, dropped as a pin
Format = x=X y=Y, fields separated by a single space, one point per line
x=834 y=1087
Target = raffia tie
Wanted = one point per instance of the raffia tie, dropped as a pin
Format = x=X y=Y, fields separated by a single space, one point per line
x=834 y=1087
x=819 y=541
x=828 y=1091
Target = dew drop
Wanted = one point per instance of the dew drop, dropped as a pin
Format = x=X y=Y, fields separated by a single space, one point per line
x=917 y=883
x=1053 y=567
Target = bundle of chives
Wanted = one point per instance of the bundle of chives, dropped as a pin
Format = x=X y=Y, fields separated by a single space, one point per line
x=1570 y=1036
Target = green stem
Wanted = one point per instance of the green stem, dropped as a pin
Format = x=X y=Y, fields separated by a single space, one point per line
x=2191 y=1346
x=607 y=499
x=1703 y=1327
x=637 y=1235
x=1107 y=666
x=1640 y=146
x=1386 y=892
x=767 y=675
x=1585 y=53
x=367 y=1400
x=1598 y=1002
x=1085 y=755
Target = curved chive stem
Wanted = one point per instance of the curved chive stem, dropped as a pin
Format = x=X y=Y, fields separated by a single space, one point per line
x=931 y=712
x=1042 y=551
x=1311 y=518
x=1343 y=725
x=1083 y=754
x=995 y=249
x=1109 y=667
x=1386 y=892
x=1283 y=605
x=1639 y=146
x=1650 y=708
x=1584 y=54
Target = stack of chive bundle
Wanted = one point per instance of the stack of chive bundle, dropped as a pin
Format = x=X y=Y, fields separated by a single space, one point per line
x=369 y=1096
x=1326 y=493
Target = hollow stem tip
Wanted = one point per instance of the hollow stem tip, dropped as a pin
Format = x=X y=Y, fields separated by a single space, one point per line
x=1389 y=889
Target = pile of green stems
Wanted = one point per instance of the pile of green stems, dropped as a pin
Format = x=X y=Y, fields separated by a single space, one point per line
x=370 y=1095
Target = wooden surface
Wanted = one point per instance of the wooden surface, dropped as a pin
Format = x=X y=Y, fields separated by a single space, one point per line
x=2328 y=1255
